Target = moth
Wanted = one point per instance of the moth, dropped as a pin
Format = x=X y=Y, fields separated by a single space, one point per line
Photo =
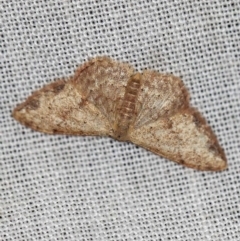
x=108 y=98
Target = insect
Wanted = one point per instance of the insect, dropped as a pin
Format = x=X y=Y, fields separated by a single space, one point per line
x=108 y=98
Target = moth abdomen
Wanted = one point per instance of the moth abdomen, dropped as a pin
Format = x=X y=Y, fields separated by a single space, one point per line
x=127 y=109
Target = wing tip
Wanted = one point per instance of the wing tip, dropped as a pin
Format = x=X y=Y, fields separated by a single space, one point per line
x=216 y=164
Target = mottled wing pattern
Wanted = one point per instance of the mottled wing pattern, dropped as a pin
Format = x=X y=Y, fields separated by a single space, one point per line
x=184 y=138
x=161 y=95
x=102 y=81
x=59 y=108
x=106 y=98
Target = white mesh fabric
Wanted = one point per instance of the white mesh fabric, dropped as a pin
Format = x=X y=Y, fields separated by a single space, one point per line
x=93 y=188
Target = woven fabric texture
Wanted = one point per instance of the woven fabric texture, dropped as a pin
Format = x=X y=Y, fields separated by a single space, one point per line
x=95 y=188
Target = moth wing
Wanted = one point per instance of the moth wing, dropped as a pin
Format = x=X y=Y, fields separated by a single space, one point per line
x=103 y=82
x=184 y=138
x=161 y=95
x=59 y=108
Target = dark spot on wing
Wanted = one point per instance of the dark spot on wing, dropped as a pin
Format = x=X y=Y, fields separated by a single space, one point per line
x=209 y=167
x=33 y=104
x=181 y=161
x=198 y=119
x=54 y=131
x=214 y=148
x=55 y=87
x=58 y=88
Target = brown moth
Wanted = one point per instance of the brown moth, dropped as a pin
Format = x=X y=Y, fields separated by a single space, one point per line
x=108 y=98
